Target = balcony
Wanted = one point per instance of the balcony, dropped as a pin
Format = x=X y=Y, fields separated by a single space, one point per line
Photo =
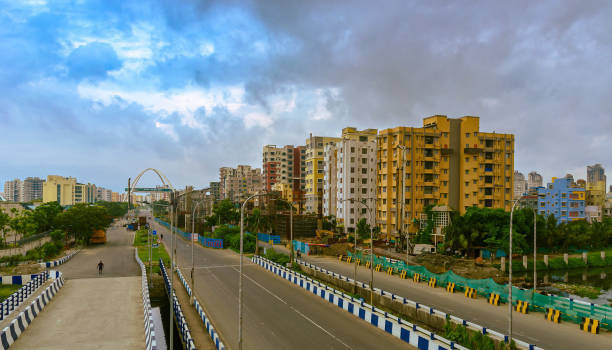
x=472 y=150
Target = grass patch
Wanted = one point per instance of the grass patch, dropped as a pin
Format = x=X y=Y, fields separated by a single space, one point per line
x=472 y=339
x=279 y=258
x=581 y=291
x=141 y=242
x=7 y=289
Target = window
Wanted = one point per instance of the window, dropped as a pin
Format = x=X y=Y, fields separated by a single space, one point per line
x=352 y=170
x=364 y=160
x=352 y=190
x=467 y=171
x=467 y=195
x=364 y=151
x=364 y=191
x=467 y=134
x=467 y=183
x=364 y=181
x=352 y=180
x=363 y=210
x=363 y=138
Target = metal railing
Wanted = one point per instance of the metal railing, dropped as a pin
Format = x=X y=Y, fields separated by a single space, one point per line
x=14 y=300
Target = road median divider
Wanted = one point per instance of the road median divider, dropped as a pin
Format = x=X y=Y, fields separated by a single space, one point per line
x=435 y=319
x=214 y=335
x=402 y=329
x=178 y=312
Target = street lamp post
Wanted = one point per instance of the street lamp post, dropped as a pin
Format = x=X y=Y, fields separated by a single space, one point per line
x=240 y=278
x=510 y=265
x=352 y=200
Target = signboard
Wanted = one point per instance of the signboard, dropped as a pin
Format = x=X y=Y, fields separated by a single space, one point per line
x=149 y=189
x=154 y=232
x=194 y=237
x=155 y=245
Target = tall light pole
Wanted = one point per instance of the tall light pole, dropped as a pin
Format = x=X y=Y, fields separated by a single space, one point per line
x=240 y=278
x=402 y=205
x=172 y=196
x=535 y=274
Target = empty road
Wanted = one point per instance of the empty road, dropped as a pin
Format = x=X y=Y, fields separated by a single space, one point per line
x=277 y=315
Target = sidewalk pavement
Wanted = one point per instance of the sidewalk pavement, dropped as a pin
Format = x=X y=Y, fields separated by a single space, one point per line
x=92 y=313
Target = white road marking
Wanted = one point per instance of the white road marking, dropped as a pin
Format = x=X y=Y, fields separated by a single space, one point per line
x=296 y=311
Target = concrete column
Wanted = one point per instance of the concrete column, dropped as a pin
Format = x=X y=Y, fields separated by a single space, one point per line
x=546 y=260
x=546 y=279
x=565 y=277
x=525 y=261
x=503 y=264
x=584 y=257
x=565 y=258
x=584 y=275
x=603 y=255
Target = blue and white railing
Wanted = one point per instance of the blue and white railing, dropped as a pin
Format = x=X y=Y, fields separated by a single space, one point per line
x=58 y=261
x=14 y=300
x=10 y=333
x=205 y=319
x=430 y=310
x=178 y=312
x=402 y=329
x=149 y=328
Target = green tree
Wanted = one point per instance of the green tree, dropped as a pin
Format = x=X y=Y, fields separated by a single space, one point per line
x=5 y=219
x=23 y=225
x=363 y=229
x=82 y=220
x=256 y=222
x=115 y=209
x=224 y=212
x=44 y=216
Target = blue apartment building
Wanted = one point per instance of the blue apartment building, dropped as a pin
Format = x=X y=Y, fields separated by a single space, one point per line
x=563 y=199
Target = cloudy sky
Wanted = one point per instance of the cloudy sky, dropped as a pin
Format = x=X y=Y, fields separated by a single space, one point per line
x=101 y=90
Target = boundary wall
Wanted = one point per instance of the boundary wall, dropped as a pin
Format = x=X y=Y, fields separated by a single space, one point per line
x=406 y=331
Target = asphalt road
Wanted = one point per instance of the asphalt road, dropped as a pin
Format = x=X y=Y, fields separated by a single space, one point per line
x=117 y=254
x=532 y=328
x=277 y=315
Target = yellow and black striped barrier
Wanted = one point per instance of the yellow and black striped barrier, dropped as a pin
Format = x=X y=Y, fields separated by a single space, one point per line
x=553 y=315
x=367 y=264
x=450 y=287
x=403 y=274
x=590 y=325
x=378 y=268
x=389 y=271
x=522 y=307
x=416 y=277
x=358 y=261
x=494 y=299
x=470 y=292
x=348 y=259
x=432 y=282
x=340 y=257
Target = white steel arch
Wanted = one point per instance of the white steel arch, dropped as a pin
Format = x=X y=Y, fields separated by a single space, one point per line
x=161 y=176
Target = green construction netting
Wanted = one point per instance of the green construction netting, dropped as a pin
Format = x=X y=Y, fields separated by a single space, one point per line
x=570 y=309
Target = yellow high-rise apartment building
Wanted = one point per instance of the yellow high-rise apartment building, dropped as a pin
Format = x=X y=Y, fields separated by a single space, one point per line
x=315 y=172
x=66 y=191
x=59 y=189
x=447 y=162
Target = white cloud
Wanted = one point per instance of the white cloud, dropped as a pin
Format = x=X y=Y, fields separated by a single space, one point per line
x=257 y=119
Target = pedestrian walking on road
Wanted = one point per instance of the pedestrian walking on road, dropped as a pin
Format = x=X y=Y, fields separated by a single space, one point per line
x=162 y=236
x=100 y=267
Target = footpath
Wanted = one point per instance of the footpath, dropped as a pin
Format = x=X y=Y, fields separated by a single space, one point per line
x=93 y=311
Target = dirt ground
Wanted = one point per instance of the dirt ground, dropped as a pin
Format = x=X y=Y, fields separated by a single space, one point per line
x=436 y=263
x=25 y=269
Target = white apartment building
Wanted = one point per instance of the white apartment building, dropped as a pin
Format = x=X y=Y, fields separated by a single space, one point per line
x=520 y=184
x=350 y=178
x=237 y=184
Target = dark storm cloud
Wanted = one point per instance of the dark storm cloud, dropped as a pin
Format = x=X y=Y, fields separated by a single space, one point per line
x=539 y=70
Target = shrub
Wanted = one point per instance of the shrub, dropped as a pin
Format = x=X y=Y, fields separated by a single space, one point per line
x=278 y=258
